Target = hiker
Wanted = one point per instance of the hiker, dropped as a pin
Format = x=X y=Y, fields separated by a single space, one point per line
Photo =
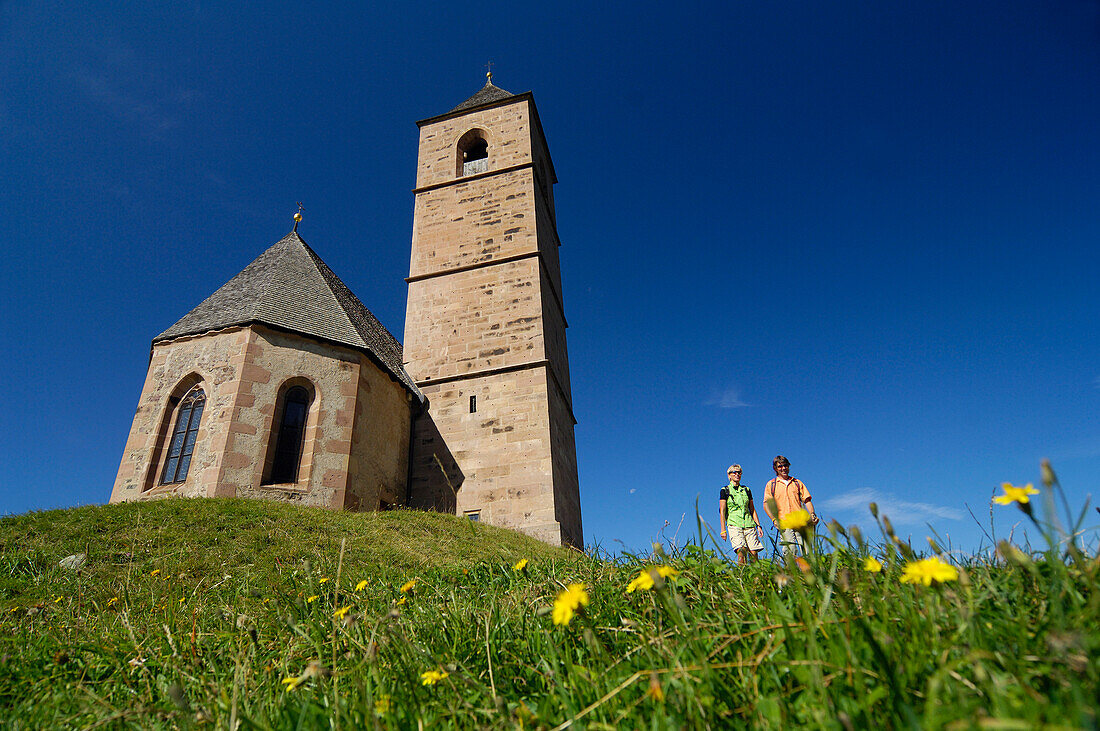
x=739 y=519
x=784 y=495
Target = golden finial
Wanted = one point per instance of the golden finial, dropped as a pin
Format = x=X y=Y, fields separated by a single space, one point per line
x=298 y=217
x=489 y=74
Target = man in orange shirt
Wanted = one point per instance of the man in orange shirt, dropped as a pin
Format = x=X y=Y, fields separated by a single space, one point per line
x=784 y=495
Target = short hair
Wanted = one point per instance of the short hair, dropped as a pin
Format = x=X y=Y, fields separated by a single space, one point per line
x=733 y=468
x=780 y=459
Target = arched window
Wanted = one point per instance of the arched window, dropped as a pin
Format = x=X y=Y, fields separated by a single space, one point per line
x=182 y=445
x=288 y=444
x=473 y=153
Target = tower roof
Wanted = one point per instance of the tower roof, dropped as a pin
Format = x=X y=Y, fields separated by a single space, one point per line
x=486 y=95
x=290 y=288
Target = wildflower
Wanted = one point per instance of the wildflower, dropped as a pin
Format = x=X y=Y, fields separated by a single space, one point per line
x=112 y=601
x=324 y=579
x=520 y=565
x=655 y=691
x=361 y=585
x=382 y=706
x=929 y=570
x=154 y=572
x=781 y=580
x=183 y=599
x=645 y=578
x=401 y=601
x=341 y=612
x=796 y=519
x=407 y=587
x=293 y=682
x=872 y=564
x=1015 y=494
x=568 y=602
x=311 y=599
x=431 y=677
x=57 y=600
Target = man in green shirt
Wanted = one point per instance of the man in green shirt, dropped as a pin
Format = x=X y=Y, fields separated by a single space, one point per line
x=738 y=512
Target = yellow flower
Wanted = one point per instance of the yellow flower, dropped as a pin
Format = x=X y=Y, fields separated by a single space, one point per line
x=361 y=585
x=1015 y=494
x=323 y=580
x=645 y=578
x=568 y=602
x=872 y=564
x=112 y=600
x=927 y=571
x=339 y=613
x=58 y=600
x=431 y=677
x=293 y=682
x=407 y=587
x=310 y=600
x=795 y=519
x=382 y=706
x=401 y=601
x=154 y=572
x=520 y=565
x=183 y=599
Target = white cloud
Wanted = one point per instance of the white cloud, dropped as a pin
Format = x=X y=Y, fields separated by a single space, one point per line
x=633 y=490
x=728 y=399
x=900 y=511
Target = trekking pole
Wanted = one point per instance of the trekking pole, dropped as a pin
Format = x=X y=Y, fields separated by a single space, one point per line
x=775 y=548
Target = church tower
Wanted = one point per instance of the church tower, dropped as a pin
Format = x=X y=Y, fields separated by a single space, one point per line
x=485 y=325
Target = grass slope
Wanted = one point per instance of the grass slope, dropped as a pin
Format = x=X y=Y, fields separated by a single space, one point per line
x=230 y=613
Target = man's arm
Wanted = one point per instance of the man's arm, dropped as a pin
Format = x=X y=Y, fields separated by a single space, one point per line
x=807 y=501
x=769 y=501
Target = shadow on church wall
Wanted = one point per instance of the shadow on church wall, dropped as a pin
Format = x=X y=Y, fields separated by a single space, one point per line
x=435 y=478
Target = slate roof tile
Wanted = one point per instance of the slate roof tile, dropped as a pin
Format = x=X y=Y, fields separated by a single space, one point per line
x=290 y=287
x=486 y=95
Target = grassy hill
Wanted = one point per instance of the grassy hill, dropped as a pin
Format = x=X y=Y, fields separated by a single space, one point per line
x=232 y=613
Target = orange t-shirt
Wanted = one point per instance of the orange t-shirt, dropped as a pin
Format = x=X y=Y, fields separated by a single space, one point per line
x=788 y=496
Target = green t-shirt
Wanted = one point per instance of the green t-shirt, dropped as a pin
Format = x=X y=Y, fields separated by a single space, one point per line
x=738 y=506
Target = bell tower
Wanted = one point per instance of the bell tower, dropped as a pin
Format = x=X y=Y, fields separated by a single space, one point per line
x=485 y=325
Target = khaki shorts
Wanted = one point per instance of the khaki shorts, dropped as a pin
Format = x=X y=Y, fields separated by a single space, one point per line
x=744 y=538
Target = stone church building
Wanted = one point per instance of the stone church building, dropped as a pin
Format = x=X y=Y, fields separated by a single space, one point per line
x=282 y=385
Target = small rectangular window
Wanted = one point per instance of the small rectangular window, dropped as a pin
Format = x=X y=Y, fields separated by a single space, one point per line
x=473 y=404
x=474 y=515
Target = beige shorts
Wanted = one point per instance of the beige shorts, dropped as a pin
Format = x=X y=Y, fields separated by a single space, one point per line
x=744 y=538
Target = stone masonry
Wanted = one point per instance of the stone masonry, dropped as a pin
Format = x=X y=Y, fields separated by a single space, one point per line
x=485 y=328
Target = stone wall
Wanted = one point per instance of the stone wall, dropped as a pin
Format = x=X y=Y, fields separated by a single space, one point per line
x=354 y=452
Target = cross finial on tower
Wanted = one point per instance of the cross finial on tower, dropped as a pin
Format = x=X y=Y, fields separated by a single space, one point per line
x=489 y=73
x=298 y=217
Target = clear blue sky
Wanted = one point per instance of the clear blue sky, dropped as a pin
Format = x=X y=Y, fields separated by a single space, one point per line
x=861 y=235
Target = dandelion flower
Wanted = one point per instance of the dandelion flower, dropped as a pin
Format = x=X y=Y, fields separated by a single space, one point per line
x=382 y=706
x=929 y=570
x=568 y=602
x=795 y=520
x=407 y=587
x=154 y=572
x=431 y=677
x=324 y=579
x=292 y=682
x=645 y=578
x=1015 y=494
x=341 y=612
x=361 y=585
x=520 y=565
x=872 y=564
x=311 y=599
x=401 y=601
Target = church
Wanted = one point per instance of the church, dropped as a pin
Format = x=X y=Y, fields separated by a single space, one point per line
x=282 y=385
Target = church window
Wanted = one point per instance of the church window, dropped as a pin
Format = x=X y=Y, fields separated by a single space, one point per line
x=182 y=446
x=288 y=444
x=473 y=153
x=473 y=404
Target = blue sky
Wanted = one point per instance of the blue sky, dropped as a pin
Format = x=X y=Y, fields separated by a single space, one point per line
x=861 y=235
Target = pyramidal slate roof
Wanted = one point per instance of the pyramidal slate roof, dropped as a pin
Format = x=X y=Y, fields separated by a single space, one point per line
x=486 y=95
x=289 y=287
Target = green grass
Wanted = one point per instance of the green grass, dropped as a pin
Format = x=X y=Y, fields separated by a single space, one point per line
x=193 y=613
